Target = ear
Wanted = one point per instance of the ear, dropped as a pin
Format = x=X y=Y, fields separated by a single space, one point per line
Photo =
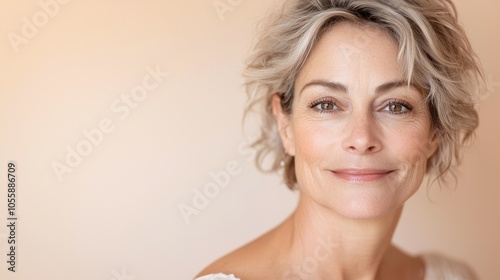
x=433 y=143
x=283 y=121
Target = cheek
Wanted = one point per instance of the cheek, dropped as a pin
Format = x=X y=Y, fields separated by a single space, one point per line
x=409 y=140
x=314 y=141
x=412 y=150
x=314 y=149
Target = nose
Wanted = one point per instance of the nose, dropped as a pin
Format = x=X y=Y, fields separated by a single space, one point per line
x=361 y=135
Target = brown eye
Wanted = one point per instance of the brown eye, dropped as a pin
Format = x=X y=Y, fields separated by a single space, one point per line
x=398 y=107
x=324 y=106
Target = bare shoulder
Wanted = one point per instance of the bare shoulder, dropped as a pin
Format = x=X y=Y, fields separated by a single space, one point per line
x=251 y=261
x=232 y=263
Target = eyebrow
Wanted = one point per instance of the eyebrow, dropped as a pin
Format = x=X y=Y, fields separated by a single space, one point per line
x=342 y=88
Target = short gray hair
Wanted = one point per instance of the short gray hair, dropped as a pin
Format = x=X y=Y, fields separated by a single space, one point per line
x=433 y=49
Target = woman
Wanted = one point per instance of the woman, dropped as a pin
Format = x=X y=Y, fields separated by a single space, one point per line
x=361 y=99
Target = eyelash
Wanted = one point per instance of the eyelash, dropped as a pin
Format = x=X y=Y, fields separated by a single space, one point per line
x=323 y=101
x=403 y=103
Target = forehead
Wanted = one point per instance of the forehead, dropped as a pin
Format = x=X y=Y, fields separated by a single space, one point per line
x=349 y=51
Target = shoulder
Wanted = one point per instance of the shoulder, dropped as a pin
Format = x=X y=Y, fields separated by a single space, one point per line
x=222 y=268
x=233 y=266
x=438 y=266
x=255 y=260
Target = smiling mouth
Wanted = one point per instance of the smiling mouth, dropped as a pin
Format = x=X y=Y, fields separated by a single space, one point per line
x=361 y=175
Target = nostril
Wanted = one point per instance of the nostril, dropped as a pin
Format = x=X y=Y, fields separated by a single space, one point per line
x=361 y=138
x=360 y=149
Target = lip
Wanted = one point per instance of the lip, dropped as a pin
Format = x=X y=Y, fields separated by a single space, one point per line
x=364 y=175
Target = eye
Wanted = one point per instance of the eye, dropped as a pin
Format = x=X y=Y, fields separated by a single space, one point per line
x=398 y=107
x=324 y=105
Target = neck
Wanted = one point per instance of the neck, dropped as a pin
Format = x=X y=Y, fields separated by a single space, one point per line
x=325 y=245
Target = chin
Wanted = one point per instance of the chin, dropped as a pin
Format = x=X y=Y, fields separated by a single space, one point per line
x=366 y=211
x=365 y=200
x=367 y=204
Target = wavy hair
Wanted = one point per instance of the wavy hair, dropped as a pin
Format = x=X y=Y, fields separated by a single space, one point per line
x=434 y=51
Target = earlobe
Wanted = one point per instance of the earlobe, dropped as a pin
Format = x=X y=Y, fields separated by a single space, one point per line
x=283 y=123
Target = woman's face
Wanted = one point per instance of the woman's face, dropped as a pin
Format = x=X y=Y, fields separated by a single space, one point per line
x=360 y=136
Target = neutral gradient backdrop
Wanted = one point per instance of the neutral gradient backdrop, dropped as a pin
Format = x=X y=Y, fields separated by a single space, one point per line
x=120 y=114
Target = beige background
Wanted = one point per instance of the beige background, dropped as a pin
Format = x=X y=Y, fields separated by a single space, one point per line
x=116 y=215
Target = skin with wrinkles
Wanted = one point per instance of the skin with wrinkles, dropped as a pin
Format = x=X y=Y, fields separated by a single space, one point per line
x=361 y=136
